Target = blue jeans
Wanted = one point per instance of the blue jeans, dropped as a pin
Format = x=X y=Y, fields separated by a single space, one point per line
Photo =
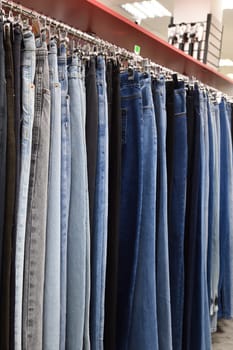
x=99 y=234
x=65 y=183
x=35 y=245
x=51 y=324
x=197 y=321
x=214 y=202
x=162 y=257
x=226 y=218
x=176 y=213
x=77 y=231
x=28 y=97
x=143 y=323
x=130 y=203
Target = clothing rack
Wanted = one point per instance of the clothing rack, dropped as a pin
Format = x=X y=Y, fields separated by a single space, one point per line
x=92 y=39
x=96 y=21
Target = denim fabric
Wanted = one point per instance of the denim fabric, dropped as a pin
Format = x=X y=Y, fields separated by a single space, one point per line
x=99 y=234
x=3 y=137
x=213 y=229
x=143 y=323
x=5 y=301
x=114 y=115
x=65 y=184
x=130 y=202
x=28 y=61
x=91 y=131
x=86 y=336
x=197 y=334
x=51 y=314
x=76 y=249
x=162 y=258
x=34 y=266
x=176 y=213
x=226 y=218
x=16 y=46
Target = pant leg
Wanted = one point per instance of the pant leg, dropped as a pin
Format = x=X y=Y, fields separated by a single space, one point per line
x=33 y=298
x=16 y=47
x=51 y=310
x=113 y=205
x=143 y=322
x=162 y=257
x=130 y=201
x=3 y=140
x=10 y=192
x=176 y=213
x=76 y=248
x=99 y=234
x=28 y=98
x=65 y=184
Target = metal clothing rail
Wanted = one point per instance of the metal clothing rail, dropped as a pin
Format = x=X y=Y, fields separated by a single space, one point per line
x=216 y=83
x=74 y=32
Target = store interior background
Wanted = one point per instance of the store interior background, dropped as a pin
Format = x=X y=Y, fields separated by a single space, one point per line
x=159 y=25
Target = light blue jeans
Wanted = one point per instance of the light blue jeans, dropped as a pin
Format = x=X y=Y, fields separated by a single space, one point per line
x=28 y=97
x=214 y=202
x=77 y=231
x=51 y=315
x=65 y=184
x=99 y=234
x=162 y=257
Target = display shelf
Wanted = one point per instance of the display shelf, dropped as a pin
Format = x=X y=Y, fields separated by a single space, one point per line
x=93 y=17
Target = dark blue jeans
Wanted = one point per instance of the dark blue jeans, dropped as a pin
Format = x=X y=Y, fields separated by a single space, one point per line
x=131 y=201
x=226 y=218
x=196 y=316
x=176 y=211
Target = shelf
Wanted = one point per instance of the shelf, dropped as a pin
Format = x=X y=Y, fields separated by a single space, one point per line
x=93 y=17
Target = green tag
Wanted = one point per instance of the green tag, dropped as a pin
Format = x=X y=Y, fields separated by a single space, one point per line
x=137 y=49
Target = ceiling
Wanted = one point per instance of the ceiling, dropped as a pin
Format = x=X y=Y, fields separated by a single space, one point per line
x=159 y=26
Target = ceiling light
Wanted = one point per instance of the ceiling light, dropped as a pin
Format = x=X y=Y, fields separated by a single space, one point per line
x=227 y=4
x=146 y=9
x=225 y=62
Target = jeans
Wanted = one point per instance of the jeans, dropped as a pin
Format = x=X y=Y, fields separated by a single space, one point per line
x=5 y=301
x=197 y=312
x=176 y=213
x=162 y=258
x=3 y=138
x=99 y=234
x=91 y=131
x=213 y=229
x=130 y=202
x=34 y=267
x=226 y=209
x=76 y=250
x=143 y=326
x=28 y=62
x=65 y=184
x=51 y=314
x=16 y=46
x=114 y=114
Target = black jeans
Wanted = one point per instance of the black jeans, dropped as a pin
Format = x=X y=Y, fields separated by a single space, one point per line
x=10 y=193
x=91 y=131
x=114 y=113
x=3 y=136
